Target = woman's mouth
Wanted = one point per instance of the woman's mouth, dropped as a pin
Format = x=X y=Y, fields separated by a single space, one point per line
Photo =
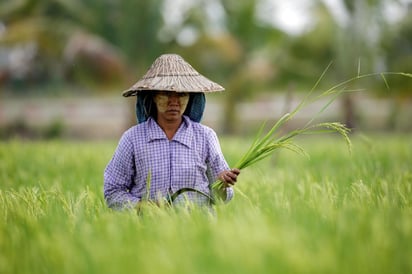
x=173 y=111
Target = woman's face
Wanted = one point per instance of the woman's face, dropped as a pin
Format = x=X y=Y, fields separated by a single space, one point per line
x=171 y=104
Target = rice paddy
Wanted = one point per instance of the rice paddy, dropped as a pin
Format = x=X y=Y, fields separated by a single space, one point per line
x=331 y=212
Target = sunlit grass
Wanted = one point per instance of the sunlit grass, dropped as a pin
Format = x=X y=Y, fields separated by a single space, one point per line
x=331 y=212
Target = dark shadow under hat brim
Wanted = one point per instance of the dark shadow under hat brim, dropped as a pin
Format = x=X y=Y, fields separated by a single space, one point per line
x=194 y=109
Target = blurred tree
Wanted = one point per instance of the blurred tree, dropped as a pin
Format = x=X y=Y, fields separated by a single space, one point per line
x=40 y=26
x=357 y=46
x=237 y=53
x=132 y=26
x=397 y=43
x=83 y=42
x=353 y=44
x=255 y=69
x=310 y=53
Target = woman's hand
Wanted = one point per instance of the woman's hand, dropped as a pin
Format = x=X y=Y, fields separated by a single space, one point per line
x=229 y=177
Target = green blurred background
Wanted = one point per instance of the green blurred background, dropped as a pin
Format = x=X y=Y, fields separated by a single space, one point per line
x=64 y=63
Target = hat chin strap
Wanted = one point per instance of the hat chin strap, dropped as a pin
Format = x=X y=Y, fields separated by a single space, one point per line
x=194 y=109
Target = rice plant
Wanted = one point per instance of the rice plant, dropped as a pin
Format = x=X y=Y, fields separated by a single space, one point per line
x=305 y=217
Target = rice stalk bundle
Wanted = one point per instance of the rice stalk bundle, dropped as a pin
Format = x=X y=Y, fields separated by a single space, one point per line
x=266 y=144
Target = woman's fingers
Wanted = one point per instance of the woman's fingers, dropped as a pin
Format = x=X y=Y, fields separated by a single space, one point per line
x=230 y=176
x=235 y=171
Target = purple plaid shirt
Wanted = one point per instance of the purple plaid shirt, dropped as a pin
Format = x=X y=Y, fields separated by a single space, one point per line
x=193 y=158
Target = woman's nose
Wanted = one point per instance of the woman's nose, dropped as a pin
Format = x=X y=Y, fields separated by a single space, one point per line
x=173 y=99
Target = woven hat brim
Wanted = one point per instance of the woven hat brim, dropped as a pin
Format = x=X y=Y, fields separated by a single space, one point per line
x=178 y=83
x=170 y=72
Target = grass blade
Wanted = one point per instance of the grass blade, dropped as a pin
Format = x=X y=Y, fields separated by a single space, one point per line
x=148 y=185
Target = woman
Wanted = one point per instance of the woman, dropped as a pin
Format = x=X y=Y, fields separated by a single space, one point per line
x=169 y=151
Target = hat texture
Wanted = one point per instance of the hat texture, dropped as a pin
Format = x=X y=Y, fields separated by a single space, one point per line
x=170 y=72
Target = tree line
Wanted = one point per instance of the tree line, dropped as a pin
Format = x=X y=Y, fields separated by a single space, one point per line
x=105 y=45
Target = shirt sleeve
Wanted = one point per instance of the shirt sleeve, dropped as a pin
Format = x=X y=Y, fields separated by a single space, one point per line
x=119 y=176
x=217 y=162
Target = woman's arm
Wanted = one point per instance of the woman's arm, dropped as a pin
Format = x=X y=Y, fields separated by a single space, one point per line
x=119 y=176
x=220 y=169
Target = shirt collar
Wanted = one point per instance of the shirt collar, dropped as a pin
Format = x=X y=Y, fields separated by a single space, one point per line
x=184 y=134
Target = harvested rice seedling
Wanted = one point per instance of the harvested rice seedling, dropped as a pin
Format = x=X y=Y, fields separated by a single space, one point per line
x=265 y=144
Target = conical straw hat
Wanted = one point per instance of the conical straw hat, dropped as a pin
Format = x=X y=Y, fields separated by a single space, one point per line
x=170 y=72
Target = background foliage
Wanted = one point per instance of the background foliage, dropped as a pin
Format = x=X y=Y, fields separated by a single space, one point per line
x=101 y=46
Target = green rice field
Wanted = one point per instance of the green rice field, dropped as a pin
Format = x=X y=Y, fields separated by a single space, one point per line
x=332 y=212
